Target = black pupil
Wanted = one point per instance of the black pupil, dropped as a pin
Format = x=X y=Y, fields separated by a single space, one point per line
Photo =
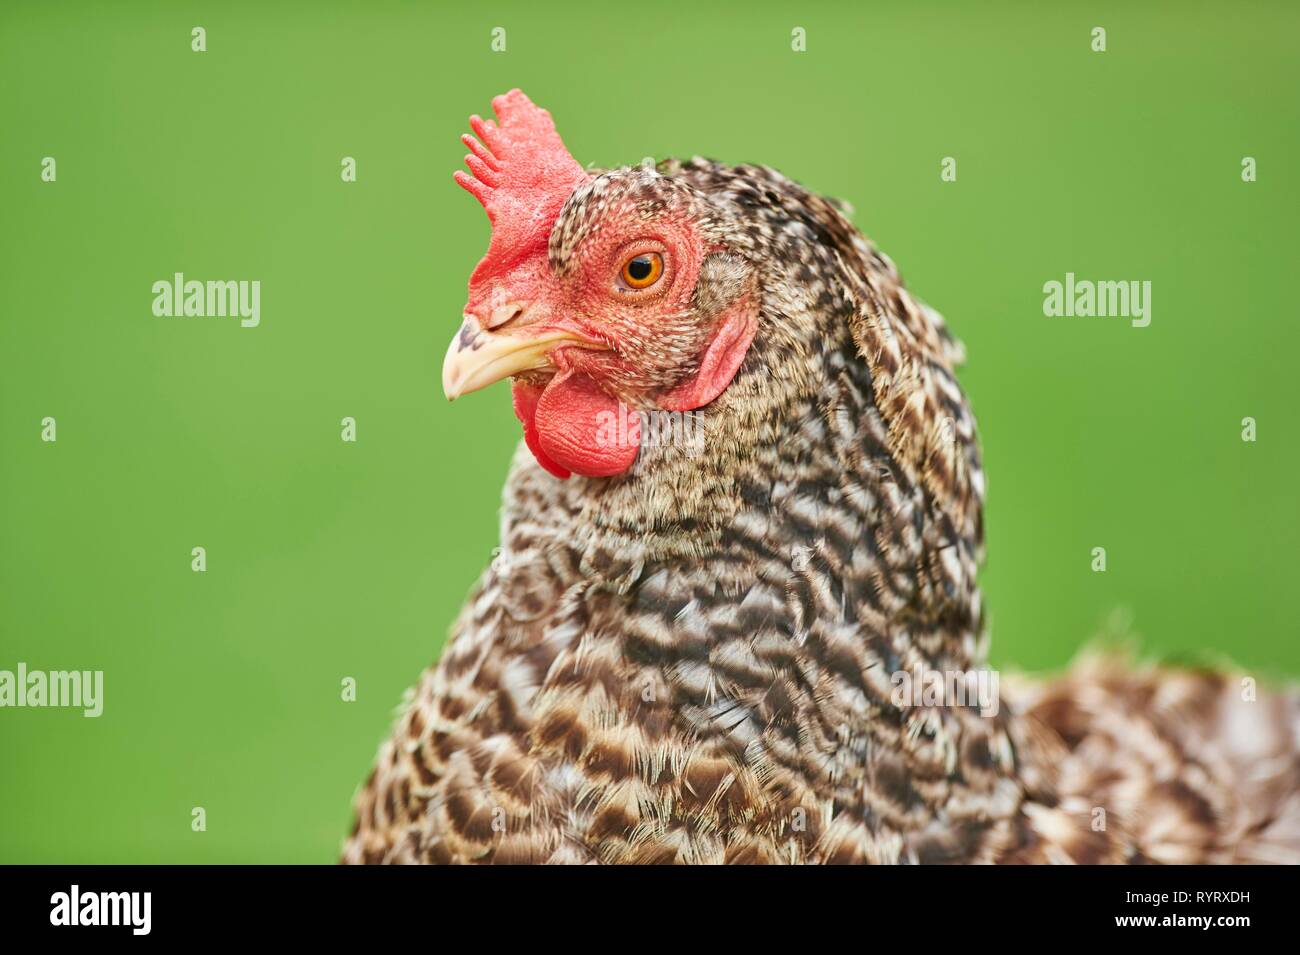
x=639 y=268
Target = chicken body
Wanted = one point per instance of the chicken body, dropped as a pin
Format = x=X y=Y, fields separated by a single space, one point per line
x=694 y=661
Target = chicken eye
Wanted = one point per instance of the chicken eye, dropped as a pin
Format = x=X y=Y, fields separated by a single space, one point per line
x=642 y=271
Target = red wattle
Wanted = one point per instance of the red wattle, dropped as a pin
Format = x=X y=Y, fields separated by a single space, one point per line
x=525 y=401
x=572 y=425
x=582 y=428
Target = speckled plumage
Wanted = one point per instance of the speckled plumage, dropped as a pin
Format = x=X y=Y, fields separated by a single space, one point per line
x=650 y=672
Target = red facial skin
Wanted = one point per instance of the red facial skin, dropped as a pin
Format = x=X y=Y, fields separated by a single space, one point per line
x=632 y=345
x=569 y=422
x=646 y=336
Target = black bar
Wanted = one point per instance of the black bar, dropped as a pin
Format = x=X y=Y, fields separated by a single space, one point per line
x=950 y=904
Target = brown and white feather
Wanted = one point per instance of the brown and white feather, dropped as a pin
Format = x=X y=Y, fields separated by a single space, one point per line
x=644 y=675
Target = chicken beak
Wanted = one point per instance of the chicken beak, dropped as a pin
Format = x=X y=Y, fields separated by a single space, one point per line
x=476 y=358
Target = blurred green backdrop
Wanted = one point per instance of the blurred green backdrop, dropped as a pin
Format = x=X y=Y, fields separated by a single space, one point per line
x=329 y=560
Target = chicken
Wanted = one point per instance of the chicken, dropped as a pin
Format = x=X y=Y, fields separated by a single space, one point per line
x=689 y=648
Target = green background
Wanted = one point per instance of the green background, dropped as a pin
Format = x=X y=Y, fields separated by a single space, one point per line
x=328 y=560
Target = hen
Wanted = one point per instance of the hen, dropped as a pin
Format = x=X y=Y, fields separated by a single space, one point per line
x=750 y=500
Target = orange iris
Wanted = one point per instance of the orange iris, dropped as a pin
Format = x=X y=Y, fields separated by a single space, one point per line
x=642 y=271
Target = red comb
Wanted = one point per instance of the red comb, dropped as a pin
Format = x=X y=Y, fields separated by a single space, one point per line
x=522 y=174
